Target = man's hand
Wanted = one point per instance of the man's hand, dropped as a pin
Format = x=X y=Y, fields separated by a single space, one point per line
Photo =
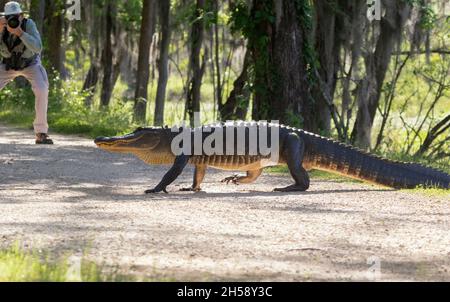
x=3 y=24
x=15 y=31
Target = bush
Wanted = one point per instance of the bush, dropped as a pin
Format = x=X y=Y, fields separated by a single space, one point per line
x=67 y=112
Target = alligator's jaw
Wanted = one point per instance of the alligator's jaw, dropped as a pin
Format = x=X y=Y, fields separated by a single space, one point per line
x=119 y=144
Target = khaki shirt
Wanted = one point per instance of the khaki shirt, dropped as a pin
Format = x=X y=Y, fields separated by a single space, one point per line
x=30 y=38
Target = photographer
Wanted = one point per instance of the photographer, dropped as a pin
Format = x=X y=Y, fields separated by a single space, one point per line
x=20 y=48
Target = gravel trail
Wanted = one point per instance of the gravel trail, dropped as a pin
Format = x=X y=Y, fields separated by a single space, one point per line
x=73 y=198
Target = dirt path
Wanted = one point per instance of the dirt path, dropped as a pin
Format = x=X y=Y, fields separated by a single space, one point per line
x=71 y=197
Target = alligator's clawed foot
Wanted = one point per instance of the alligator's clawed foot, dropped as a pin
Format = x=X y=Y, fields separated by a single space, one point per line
x=233 y=179
x=191 y=189
x=156 y=191
x=293 y=188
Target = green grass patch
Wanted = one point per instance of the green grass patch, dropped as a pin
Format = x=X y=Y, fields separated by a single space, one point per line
x=323 y=175
x=22 y=119
x=315 y=174
x=17 y=265
x=432 y=192
x=277 y=169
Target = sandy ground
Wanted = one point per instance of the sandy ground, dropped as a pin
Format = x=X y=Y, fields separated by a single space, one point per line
x=74 y=198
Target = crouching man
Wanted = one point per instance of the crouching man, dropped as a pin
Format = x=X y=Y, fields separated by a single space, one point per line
x=20 y=49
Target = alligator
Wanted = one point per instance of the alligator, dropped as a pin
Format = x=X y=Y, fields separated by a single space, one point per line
x=300 y=150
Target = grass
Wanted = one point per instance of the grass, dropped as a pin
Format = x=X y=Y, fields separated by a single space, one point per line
x=433 y=192
x=316 y=174
x=17 y=265
x=24 y=120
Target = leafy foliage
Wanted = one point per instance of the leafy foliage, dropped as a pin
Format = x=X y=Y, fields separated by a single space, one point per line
x=67 y=110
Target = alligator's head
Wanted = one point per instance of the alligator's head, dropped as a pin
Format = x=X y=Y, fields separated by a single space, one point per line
x=142 y=141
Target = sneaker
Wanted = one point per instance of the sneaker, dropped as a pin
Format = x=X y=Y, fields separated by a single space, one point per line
x=43 y=139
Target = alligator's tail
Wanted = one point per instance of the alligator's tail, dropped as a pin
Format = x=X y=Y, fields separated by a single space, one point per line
x=329 y=155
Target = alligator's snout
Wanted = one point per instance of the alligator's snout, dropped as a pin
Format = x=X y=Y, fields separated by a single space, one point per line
x=102 y=139
x=121 y=144
x=108 y=143
x=129 y=143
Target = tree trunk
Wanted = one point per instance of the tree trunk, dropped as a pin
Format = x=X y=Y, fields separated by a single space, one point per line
x=2 y=4
x=291 y=55
x=377 y=63
x=280 y=63
x=143 y=72
x=90 y=83
x=216 y=43
x=95 y=51
x=236 y=107
x=327 y=48
x=163 y=63
x=54 y=34
x=196 y=67
x=107 y=58
x=262 y=59
x=128 y=70
x=37 y=13
x=351 y=26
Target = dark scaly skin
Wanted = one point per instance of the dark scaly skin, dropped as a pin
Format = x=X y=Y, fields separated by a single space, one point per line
x=299 y=150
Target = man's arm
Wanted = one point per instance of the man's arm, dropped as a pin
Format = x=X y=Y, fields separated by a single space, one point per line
x=31 y=38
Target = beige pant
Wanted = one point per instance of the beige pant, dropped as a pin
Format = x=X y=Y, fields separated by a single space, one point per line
x=37 y=76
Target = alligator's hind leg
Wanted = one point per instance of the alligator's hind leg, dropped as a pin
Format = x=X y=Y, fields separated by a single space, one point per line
x=251 y=177
x=177 y=168
x=199 y=175
x=294 y=152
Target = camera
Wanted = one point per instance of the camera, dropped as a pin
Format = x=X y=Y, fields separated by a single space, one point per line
x=13 y=21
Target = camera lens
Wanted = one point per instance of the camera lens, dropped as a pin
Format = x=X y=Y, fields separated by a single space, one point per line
x=13 y=22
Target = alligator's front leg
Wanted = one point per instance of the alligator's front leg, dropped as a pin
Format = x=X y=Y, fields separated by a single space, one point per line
x=199 y=175
x=177 y=168
x=251 y=177
x=294 y=153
